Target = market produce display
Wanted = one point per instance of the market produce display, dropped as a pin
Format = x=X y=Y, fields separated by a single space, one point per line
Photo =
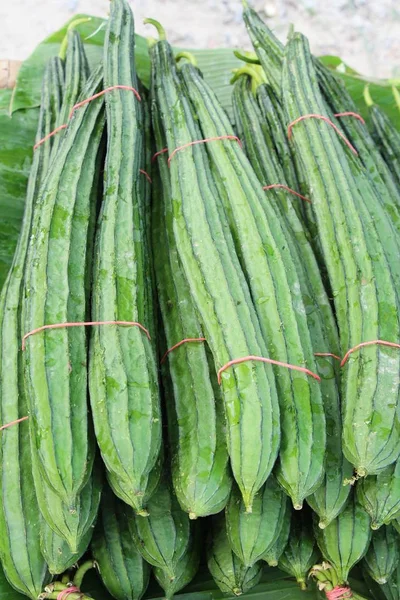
x=200 y=331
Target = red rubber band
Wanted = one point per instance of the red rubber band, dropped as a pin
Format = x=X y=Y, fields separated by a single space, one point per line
x=351 y=114
x=84 y=324
x=327 y=354
x=109 y=89
x=363 y=344
x=339 y=593
x=211 y=139
x=79 y=104
x=145 y=173
x=48 y=136
x=288 y=189
x=323 y=118
x=185 y=341
x=67 y=592
x=13 y=423
x=159 y=154
x=237 y=361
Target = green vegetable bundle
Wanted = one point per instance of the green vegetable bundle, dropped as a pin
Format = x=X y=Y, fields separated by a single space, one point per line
x=199 y=349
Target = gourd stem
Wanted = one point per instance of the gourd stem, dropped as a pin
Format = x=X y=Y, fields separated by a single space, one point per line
x=64 y=44
x=81 y=572
x=158 y=26
x=367 y=96
x=188 y=55
x=247 y=57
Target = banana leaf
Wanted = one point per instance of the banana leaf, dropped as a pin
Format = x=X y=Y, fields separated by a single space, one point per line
x=16 y=140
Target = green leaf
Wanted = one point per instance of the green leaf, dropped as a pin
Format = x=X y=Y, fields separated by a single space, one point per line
x=381 y=91
x=17 y=135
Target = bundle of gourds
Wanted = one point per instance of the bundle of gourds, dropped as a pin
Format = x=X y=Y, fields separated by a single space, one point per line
x=202 y=321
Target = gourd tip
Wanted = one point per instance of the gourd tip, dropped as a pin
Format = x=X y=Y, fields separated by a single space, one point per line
x=192 y=516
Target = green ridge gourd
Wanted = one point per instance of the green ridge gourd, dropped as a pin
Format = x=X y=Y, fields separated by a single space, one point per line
x=252 y=535
x=196 y=423
x=339 y=100
x=76 y=74
x=363 y=272
x=227 y=570
x=301 y=552
x=379 y=495
x=185 y=570
x=331 y=495
x=379 y=195
x=57 y=553
x=382 y=557
x=217 y=286
x=20 y=554
x=165 y=535
x=72 y=525
x=123 y=378
x=121 y=567
x=272 y=114
x=345 y=541
x=274 y=552
x=56 y=292
x=391 y=589
x=268 y=264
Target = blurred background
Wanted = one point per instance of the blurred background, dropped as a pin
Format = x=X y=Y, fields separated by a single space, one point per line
x=364 y=33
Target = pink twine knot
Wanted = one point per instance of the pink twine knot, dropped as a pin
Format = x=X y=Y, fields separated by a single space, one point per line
x=63 y=595
x=339 y=593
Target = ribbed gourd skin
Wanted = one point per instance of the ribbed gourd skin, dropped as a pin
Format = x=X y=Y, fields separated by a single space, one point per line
x=123 y=379
x=391 y=589
x=388 y=139
x=71 y=525
x=346 y=540
x=252 y=535
x=185 y=570
x=57 y=553
x=164 y=537
x=196 y=421
x=331 y=495
x=269 y=266
x=227 y=570
x=379 y=495
x=56 y=292
x=274 y=122
x=225 y=310
x=20 y=555
x=382 y=557
x=76 y=74
x=362 y=267
x=301 y=552
x=339 y=100
x=121 y=567
x=274 y=552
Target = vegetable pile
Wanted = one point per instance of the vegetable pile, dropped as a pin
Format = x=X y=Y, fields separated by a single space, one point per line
x=200 y=332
